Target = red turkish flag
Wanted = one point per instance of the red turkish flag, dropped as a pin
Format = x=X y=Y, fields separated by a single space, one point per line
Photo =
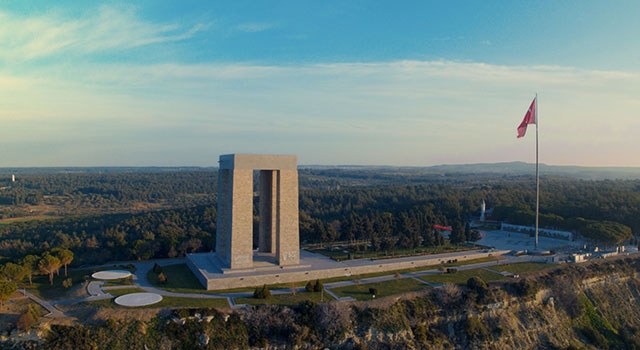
x=529 y=118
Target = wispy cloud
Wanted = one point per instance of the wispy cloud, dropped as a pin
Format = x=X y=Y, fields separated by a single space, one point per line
x=107 y=28
x=254 y=27
x=365 y=113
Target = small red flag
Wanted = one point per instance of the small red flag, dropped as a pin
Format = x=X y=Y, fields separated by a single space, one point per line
x=529 y=118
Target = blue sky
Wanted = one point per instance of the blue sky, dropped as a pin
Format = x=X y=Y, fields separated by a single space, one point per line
x=86 y=83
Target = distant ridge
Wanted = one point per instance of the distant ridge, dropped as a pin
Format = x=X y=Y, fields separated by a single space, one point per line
x=521 y=168
x=504 y=168
x=100 y=169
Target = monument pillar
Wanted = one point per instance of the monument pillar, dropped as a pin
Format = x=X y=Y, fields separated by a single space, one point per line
x=278 y=209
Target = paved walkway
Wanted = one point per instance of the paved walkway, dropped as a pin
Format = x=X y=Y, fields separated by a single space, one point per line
x=53 y=312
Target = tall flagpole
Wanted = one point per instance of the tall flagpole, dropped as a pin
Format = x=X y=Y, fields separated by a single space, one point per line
x=537 y=175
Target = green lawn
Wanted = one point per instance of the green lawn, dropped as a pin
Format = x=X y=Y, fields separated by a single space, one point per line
x=522 y=268
x=179 y=279
x=344 y=252
x=462 y=276
x=387 y=288
x=119 y=282
x=118 y=292
x=175 y=302
x=414 y=269
x=43 y=289
x=285 y=299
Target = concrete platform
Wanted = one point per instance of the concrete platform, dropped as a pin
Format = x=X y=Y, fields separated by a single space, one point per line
x=111 y=275
x=208 y=269
x=138 y=299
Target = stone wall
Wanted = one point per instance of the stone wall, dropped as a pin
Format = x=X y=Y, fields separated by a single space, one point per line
x=291 y=274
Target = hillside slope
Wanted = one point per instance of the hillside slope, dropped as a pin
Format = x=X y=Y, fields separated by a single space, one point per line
x=587 y=306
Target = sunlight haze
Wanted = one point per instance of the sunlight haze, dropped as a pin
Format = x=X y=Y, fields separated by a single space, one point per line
x=177 y=83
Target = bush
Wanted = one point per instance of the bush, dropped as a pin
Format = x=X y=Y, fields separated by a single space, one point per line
x=373 y=291
x=318 y=287
x=29 y=318
x=475 y=329
x=527 y=287
x=262 y=292
x=67 y=283
x=162 y=278
x=157 y=268
x=26 y=321
x=309 y=287
x=33 y=310
x=476 y=284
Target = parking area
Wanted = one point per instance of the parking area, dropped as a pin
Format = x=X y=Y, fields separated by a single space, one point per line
x=505 y=240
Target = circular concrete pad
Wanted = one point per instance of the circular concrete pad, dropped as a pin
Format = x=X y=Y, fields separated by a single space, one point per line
x=138 y=299
x=111 y=274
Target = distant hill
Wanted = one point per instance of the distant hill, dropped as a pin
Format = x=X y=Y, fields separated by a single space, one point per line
x=93 y=170
x=521 y=168
x=505 y=168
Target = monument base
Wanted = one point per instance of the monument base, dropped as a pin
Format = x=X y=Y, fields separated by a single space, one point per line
x=209 y=271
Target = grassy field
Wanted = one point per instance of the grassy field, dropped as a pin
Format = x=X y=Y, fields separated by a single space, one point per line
x=176 y=302
x=414 y=269
x=386 y=288
x=42 y=288
x=462 y=276
x=180 y=279
x=118 y=292
x=340 y=253
x=522 y=268
x=27 y=219
x=285 y=299
x=119 y=282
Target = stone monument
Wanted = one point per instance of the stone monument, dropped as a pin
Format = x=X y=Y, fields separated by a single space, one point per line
x=278 y=209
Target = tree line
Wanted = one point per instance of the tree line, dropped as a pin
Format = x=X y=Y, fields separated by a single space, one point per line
x=386 y=215
x=49 y=263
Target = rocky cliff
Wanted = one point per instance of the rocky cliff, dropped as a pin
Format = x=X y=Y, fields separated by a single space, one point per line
x=587 y=306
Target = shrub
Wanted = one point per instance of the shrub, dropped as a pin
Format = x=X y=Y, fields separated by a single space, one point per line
x=262 y=292
x=162 y=278
x=33 y=310
x=333 y=321
x=157 y=268
x=527 y=287
x=309 y=287
x=475 y=329
x=448 y=296
x=26 y=321
x=318 y=287
x=373 y=291
x=478 y=286
x=67 y=283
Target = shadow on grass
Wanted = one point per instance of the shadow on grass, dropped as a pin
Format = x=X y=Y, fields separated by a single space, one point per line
x=383 y=289
x=286 y=299
x=462 y=276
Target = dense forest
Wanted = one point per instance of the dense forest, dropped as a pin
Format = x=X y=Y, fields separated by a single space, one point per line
x=115 y=215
